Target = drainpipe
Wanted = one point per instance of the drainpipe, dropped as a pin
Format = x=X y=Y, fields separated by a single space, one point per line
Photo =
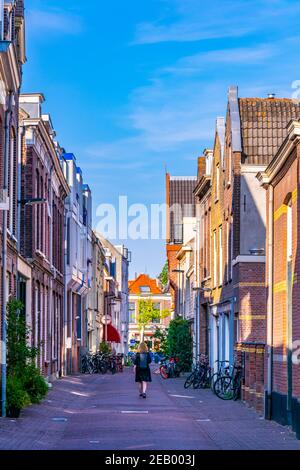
x=21 y=136
x=66 y=217
x=51 y=304
x=81 y=302
x=268 y=405
x=4 y=254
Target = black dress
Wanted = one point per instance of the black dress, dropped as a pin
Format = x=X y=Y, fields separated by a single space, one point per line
x=142 y=375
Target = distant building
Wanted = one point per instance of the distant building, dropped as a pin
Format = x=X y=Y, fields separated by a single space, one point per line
x=145 y=288
x=96 y=296
x=78 y=261
x=116 y=294
x=180 y=218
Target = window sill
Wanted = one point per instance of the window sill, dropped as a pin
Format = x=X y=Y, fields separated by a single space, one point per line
x=39 y=253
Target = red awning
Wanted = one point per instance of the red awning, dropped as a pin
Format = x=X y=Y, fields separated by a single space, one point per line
x=113 y=335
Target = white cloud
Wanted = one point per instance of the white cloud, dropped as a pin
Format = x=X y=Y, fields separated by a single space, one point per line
x=197 y=20
x=56 y=21
x=246 y=56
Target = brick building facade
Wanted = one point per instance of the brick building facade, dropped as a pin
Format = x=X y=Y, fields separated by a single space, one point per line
x=254 y=128
x=12 y=58
x=282 y=375
x=43 y=191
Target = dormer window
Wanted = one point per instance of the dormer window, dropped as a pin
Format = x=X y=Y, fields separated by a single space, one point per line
x=145 y=289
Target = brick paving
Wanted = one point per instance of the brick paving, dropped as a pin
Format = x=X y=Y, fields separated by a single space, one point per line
x=94 y=412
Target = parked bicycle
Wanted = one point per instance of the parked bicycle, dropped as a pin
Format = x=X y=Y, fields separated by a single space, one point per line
x=228 y=386
x=222 y=369
x=170 y=368
x=190 y=379
x=101 y=363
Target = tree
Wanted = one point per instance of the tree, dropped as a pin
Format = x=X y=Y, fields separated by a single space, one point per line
x=179 y=342
x=147 y=313
x=162 y=336
x=164 y=275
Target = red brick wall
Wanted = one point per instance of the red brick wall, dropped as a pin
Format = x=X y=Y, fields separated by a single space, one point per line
x=285 y=185
x=172 y=251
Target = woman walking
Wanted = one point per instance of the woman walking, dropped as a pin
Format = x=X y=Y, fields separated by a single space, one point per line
x=142 y=369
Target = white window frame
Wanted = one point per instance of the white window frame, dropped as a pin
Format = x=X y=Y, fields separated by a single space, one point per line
x=220 y=255
x=215 y=256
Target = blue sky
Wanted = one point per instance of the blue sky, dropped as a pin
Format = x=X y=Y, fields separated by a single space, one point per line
x=135 y=86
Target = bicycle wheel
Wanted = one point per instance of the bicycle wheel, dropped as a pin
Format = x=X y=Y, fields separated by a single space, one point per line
x=83 y=366
x=223 y=388
x=164 y=372
x=189 y=381
x=213 y=381
x=237 y=387
x=205 y=379
x=198 y=378
x=102 y=367
x=90 y=367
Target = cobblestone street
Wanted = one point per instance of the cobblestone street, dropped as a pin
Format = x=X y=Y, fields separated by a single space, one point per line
x=105 y=412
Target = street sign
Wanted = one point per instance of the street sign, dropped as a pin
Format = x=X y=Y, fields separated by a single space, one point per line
x=132 y=341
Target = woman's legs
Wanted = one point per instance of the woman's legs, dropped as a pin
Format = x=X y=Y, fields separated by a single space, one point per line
x=141 y=387
x=144 y=387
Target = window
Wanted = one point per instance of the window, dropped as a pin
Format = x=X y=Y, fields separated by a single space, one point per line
x=289 y=247
x=227 y=251
x=231 y=249
x=215 y=257
x=217 y=182
x=37 y=211
x=208 y=247
x=12 y=185
x=68 y=241
x=132 y=318
x=156 y=306
x=220 y=255
x=229 y=164
x=145 y=289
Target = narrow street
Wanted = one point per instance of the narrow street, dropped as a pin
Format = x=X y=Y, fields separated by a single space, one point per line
x=104 y=412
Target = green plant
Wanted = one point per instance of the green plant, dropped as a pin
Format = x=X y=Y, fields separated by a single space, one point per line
x=147 y=312
x=34 y=384
x=19 y=353
x=25 y=383
x=164 y=275
x=162 y=336
x=179 y=342
x=105 y=348
x=16 y=397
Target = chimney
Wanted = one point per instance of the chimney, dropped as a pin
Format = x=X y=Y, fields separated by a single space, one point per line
x=271 y=96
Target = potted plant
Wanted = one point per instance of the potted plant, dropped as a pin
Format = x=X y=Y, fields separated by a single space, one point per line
x=17 y=397
x=34 y=384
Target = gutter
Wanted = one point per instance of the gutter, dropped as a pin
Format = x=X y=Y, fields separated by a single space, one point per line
x=4 y=256
x=268 y=405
